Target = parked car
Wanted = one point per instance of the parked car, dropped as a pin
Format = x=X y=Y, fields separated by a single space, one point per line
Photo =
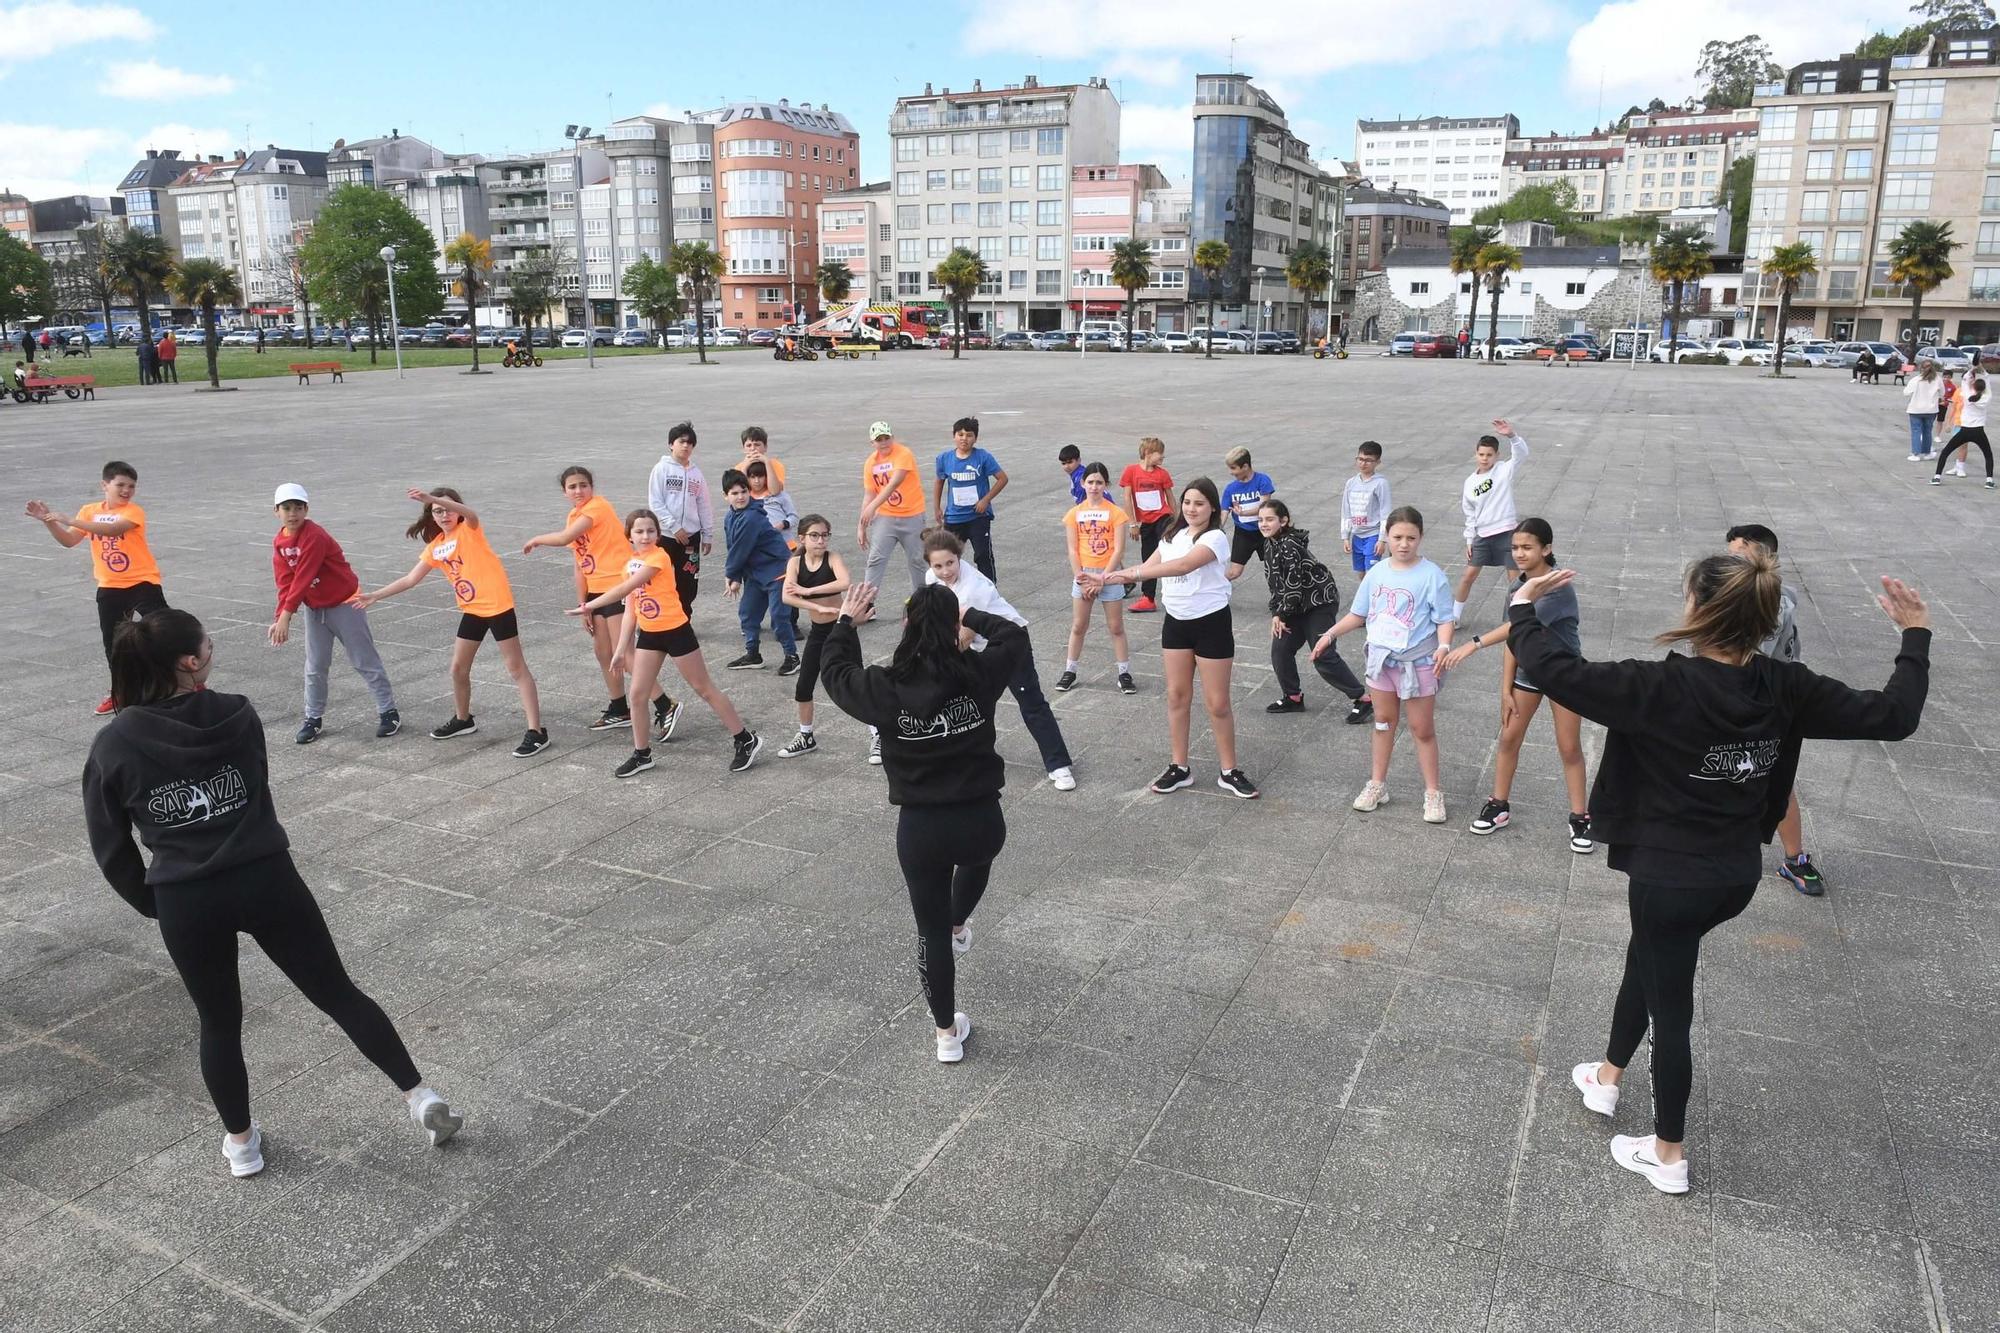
x=760 y=337
x=1569 y=349
x=1269 y=341
x=434 y=335
x=1101 y=342
x=1052 y=340
x=1016 y=340
x=729 y=338
x=597 y=337
x=632 y=338
x=1742 y=351
x=234 y=338
x=1175 y=341
x=1887 y=357
x=1404 y=344
x=1815 y=353
x=1947 y=358
x=1505 y=349
x=1433 y=346
x=1674 y=349
x=1290 y=340
x=458 y=338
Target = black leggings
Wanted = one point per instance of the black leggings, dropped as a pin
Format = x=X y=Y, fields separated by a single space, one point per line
x=1963 y=438
x=808 y=676
x=1302 y=631
x=947 y=853
x=267 y=901
x=115 y=606
x=1149 y=542
x=1668 y=922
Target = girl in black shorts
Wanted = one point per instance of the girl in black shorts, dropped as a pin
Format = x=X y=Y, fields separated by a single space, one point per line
x=814 y=583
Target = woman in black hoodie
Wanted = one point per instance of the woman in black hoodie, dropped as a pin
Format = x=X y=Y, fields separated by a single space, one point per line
x=933 y=706
x=184 y=766
x=1696 y=773
x=1304 y=605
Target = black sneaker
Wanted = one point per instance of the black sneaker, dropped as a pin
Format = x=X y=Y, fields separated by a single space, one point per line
x=1066 y=681
x=611 y=719
x=1173 y=779
x=638 y=762
x=308 y=731
x=458 y=726
x=388 y=724
x=1361 y=710
x=1287 y=703
x=532 y=743
x=751 y=661
x=1237 y=783
x=1580 y=840
x=1492 y=817
x=1799 y=872
x=790 y=666
x=747 y=747
x=666 y=713
x=803 y=743
x=1126 y=685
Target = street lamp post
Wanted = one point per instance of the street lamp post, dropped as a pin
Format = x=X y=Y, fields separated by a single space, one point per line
x=395 y=324
x=576 y=134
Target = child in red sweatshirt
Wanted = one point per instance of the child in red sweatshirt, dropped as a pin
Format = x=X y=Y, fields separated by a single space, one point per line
x=314 y=575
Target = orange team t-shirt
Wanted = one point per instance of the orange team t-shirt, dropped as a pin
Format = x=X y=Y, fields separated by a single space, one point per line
x=602 y=551
x=774 y=471
x=477 y=580
x=1093 y=531
x=907 y=499
x=657 y=601
x=124 y=561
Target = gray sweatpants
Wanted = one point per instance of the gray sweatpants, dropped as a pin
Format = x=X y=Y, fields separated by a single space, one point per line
x=349 y=624
x=885 y=534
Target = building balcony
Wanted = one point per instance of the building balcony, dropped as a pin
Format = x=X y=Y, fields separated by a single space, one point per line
x=502 y=212
x=517 y=239
x=903 y=122
x=1852 y=215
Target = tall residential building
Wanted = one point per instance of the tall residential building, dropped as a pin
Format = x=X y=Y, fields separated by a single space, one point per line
x=1256 y=188
x=380 y=161
x=628 y=205
x=1378 y=221
x=279 y=191
x=1106 y=206
x=148 y=207
x=1679 y=159
x=204 y=203
x=1589 y=163
x=519 y=220
x=1851 y=151
x=450 y=200
x=857 y=228
x=778 y=164
x=990 y=170
x=56 y=222
x=1165 y=224
x=1454 y=159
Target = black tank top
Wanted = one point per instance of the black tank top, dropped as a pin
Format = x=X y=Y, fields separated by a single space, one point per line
x=814 y=578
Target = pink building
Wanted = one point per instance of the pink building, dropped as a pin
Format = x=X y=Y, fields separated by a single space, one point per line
x=1109 y=204
x=854 y=229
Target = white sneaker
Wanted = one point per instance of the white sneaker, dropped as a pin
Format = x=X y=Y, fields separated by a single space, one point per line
x=1434 y=807
x=951 y=1045
x=1634 y=1153
x=1372 y=795
x=438 y=1119
x=1958 y=471
x=875 y=750
x=247 y=1158
x=1062 y=779
x=1599 y=1097
x=961 y=939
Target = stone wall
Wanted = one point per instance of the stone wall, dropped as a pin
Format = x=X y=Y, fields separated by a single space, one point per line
x=1375 y=298
x=1632 y=295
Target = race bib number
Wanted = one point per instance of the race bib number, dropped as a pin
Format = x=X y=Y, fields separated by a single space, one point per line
x=1149 y=499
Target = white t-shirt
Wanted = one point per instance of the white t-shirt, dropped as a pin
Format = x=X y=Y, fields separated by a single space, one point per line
x=1206 y=590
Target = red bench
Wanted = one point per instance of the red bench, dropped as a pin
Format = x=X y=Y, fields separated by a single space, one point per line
x=41 y=388
x=305 y=370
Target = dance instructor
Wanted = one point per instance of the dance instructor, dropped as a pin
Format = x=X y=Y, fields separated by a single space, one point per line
x=1696 y=773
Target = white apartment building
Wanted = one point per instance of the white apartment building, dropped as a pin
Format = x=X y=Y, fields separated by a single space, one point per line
x=991 y=171
x=204 y=210
x=1678 y=159
x=279 y=191
x=450 y=201
x=1456 y=160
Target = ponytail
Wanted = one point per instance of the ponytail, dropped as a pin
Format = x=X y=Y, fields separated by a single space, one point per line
x=145 y=655
x=1733 y=604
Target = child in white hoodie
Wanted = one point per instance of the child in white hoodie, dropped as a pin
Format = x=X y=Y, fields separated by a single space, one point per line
x=1488 y=502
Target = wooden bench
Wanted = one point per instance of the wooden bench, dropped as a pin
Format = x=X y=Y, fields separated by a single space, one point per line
x=72 y=386
x=305 y=370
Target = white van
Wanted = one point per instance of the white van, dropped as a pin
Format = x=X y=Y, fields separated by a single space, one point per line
x=1114 y=327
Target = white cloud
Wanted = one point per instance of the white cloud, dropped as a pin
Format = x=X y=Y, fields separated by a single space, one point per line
x=188 y=140
x=1649 y=48
x=43 y=27
x=1156 y=127
x=46 y=162
x=1159 y=71
x=150 y=81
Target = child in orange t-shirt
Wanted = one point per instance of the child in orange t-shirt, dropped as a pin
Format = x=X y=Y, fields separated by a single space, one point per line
x=1095 y=541
x=456 y=544
x=128 y=581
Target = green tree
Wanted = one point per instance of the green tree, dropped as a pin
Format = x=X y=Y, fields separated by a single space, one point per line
x=1920 y=259
x=834 y=280
x=1731 y=71
x=1210 y=258
x=293 y=270
x=1905 y=43
x=959 y=275
x=1736 y=189
x=1310 y=273
x=473 y=258
x=1496 y=259
x=1954 y=15
x=344 y=267
x=206 y=283
x=1790 y=265
x=1680 y=256
x=699 y=269
x=532 y=289
x=1553 y=202
x=1466 y=243
x=1132 y=270
x=654 y=290
x=139 y=263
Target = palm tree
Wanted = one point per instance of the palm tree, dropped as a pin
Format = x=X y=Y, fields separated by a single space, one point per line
x=1466 y=243
x=1920 y=259
x=473 y=258
x=1791 y=264
x=1495 y=260
x=1310 y=271
x=1680 y=256
x=696 y=265
x=960 y=273
x=206 y=283
x=140 y=263
x=834 y=280
x=1210 y=258
x=1132 y=269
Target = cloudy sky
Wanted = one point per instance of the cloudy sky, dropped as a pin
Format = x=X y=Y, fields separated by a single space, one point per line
x=88 y=86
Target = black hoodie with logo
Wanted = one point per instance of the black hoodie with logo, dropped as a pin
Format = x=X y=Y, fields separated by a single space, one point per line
x=189 y=776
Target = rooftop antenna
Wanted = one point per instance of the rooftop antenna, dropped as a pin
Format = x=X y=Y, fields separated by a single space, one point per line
x=1600 y=96
x=1233 y=40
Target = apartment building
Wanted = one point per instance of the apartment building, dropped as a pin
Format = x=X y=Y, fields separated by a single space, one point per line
x=991 y=170
x=279 y=191
x=1589 y=163
x=857 y=228
x=204 y=207
x=1378 y=220
x=381 y=161
x=1257 y=188
x=1454 y=159
x=778 y=164
x=148 y=207
x=57 y=222
x=519 y=222
x=450 y=200
x=1165 y=224
x=1109 y=204
x=1851 y=151
x=1678 y=159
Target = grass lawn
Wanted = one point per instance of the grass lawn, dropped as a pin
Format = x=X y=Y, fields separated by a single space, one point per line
x=120 y=366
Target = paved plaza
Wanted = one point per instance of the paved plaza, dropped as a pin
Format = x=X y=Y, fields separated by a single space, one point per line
x=1265 y=1065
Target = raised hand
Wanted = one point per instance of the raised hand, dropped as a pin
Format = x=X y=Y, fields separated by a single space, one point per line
x=1902 y=604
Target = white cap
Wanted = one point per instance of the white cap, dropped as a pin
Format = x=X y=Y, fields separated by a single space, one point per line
x=291 y=490
x=879 y=430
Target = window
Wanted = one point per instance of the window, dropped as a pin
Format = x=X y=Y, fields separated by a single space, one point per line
x=962 y=214
x=935 y=247
x=1826 y=123
x=1913 y=146
x=1814 y=241
x=1989 y=239
x=909 y=284
x=1572 y=289
x=961 y=143
x=1048 y=212
x=1019 y=178
x=910 y=249
x=936 y=145
x=1019 y=141
x=1017 y=279
x=1861 y=122
x=1767 y=205
x=989 y=215
x=1859 y=164
x=1992 y=153
x=906 y=183
x=1049 y=143
x=1906 y=191
x=1778 y=122
x=1846 y=247
x=936 y=215
x=1853 y=206
x=1527 y=288
x=1814 y=206
x=1017 y=211
x=1819 y=165
x=989 y=247
x=1990 y=201
x=1840 y=286
x=935 y=180
x=907 y=216
x=1420 y=289
x=1048 y=178
x=1017 y=246
x=989 y=181
x=907 y=150
x=989 y=143
x=1048 y=247
x=961 y=178
x=1919 y=99
x=1773 y=164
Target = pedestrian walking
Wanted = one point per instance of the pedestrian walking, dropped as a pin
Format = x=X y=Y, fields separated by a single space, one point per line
x=260 y=342
x=1925 y=392
x=149 y=362
x=169 y=366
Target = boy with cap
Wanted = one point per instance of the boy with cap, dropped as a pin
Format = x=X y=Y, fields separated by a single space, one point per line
x=313 y=575
x=892 y=506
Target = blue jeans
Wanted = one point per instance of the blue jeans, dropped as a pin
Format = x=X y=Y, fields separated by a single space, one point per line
x=1922 y=426
x=1037 y=716
x=751 y=604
